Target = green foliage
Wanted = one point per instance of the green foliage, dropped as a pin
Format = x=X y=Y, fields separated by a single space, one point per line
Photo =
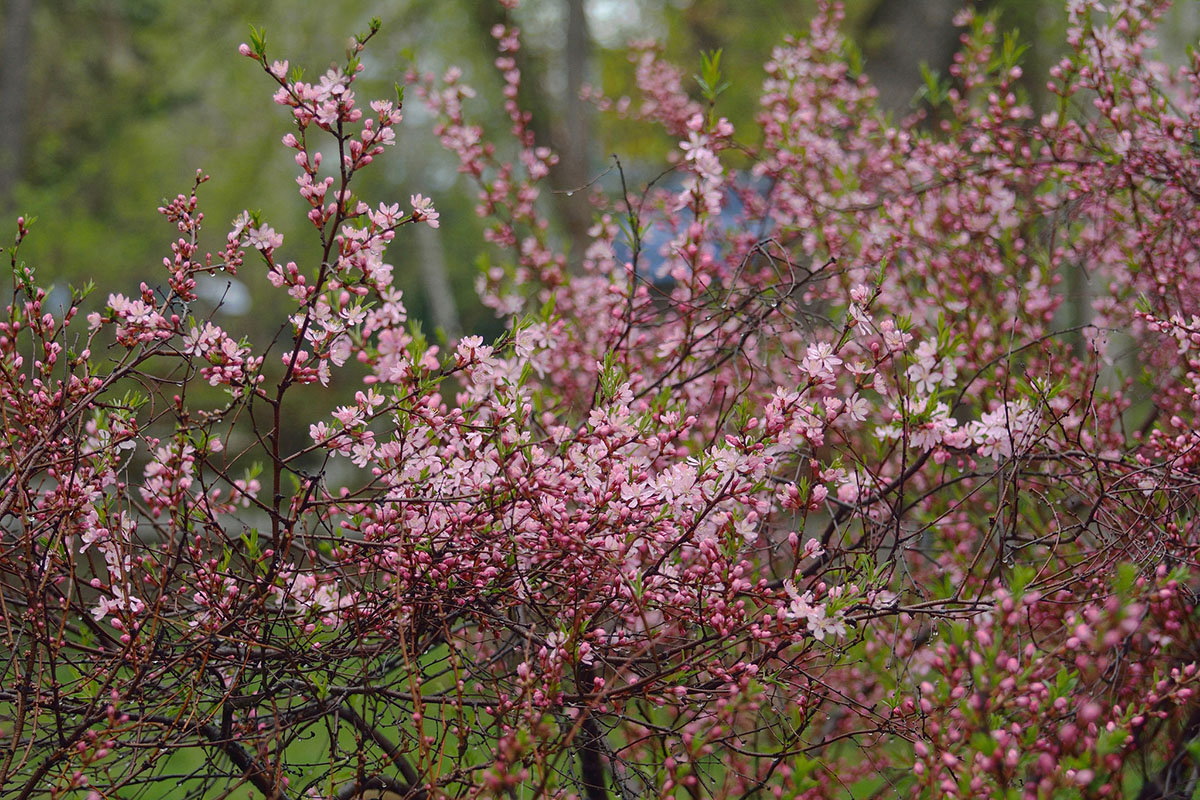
x=711 y=84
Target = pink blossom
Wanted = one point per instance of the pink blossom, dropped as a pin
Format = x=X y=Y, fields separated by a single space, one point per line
x=423 y=210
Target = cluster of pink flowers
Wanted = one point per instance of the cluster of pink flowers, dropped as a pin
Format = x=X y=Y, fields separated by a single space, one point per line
x=228 y=362
x=781 y=507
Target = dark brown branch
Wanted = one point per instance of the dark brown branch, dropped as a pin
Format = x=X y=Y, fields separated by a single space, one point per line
x=413 y=790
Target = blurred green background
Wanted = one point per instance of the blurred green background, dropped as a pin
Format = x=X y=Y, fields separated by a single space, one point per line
x=109 y=106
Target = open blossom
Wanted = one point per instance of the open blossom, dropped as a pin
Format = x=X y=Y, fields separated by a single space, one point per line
x=136 y=321
x=813 y=549
x=202 y=339
x=696 y=144
x=340 y=350
x=348 y=415
x=820 y=361
x=677 y=482
x=1004 y=430
x=801 y=607
x=423 y=210
x=118 y=603
x=362 y=452
x=894 y=339
x=855 y=408
x=320 y=432
x=225 y=361
x=935 y=429
x=927 y=373
x=824 y=624
x=386 y=216
x=264 y=238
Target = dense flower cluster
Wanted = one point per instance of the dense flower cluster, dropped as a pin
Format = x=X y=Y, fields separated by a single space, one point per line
x=843 y=499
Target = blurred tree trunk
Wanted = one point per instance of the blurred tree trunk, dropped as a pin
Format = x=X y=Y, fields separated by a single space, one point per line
x=14 y=77
x=573 y=168
x=909 y=32
x=560 y=122
x=531 y=96
x=436 y=282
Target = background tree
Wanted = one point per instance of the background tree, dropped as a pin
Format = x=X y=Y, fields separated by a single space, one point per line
x=118 y=114
x=13 y=84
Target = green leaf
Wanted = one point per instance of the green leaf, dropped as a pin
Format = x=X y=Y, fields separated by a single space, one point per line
x=854 y=57
x=1011 y=50
x=250 y=539
x=611 y=376
x=321 y=684
x=1125 y=579
x=258 y=42
x=709 y=78
x=1022 y=576
x=935 y=90
x=548 y=307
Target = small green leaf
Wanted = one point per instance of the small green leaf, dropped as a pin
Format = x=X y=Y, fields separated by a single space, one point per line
x=258 y=42
x=854 y=57
x=709 y=78
x=250 y=539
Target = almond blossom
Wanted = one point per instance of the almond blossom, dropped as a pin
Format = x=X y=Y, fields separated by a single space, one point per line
x=771 y=504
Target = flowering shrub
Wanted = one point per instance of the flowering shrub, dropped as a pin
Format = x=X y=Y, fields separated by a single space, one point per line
x=844 y=505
